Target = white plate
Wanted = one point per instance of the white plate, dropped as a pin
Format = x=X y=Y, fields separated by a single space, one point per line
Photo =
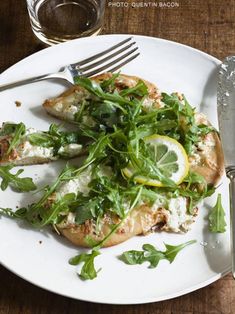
x=173 y=67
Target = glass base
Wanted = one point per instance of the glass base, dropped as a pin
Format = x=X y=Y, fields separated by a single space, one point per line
x=52 y=40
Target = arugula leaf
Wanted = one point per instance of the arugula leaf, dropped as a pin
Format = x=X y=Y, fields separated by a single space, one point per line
x=8 y=128
x=84 y=211
x=149 y=254
x=41 y=139
x=205 y=129
x=195 y=188
x=109 y=195
x=217 y=221
x=109 y=83
x=172 y=251
x=78 y=116
x=33 y=211
x=88 y=270
x=194 y=178
x=152 y=255
x=88 y=207
x=9 y=212
x=18 y=132
x=140 y=89
x=98 y=149
x=105 y=113
x=95 y=89
x=13 y=180
x=171 y=101
x=59 y=208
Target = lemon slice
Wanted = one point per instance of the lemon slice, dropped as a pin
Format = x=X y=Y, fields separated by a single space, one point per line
x=171 y=159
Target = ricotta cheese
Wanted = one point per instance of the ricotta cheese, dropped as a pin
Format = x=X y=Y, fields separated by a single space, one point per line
x=30 y=131
x=70 y=150
x=69 y=105
x=178 y=218
x=202 y=149
x=80 y=184
x=70 y=111
x=160 y=202
x=195 y=159
x=26 y=150
x=148 y=103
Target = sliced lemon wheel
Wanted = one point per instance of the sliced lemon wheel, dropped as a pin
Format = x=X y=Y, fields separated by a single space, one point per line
x=171 y=159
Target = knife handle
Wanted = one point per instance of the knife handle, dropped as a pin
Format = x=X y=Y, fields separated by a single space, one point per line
x=231 y=175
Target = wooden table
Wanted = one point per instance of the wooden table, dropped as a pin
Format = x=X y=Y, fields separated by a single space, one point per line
x=208 y=25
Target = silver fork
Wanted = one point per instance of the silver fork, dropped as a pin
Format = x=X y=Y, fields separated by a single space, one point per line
x=109 y=60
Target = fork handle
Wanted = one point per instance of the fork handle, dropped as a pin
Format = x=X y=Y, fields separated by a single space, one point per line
x=231 y=175
x=31 y=80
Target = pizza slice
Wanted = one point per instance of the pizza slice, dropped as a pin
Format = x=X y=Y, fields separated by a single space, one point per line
x=26 y=146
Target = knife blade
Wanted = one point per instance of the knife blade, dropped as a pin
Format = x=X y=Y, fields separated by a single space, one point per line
x=226 y=118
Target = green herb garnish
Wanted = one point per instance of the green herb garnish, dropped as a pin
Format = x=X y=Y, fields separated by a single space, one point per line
x=217 y=221
x=152 y=255
x=88 y=270
x=14 y=181
x=16 y=131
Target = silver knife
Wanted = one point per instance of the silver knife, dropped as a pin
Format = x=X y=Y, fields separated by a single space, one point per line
x=226 y=117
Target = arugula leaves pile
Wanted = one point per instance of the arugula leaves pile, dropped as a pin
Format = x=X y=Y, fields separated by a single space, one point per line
x=114 y=123
x=187 y=132
x=120 y=122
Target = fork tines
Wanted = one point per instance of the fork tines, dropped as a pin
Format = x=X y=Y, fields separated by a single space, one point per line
x=108 y=60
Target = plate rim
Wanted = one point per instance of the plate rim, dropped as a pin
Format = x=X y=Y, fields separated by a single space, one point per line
x=42 y=51
x=146 y=300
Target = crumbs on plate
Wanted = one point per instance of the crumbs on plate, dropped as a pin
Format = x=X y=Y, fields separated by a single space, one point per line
x=18 y=103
